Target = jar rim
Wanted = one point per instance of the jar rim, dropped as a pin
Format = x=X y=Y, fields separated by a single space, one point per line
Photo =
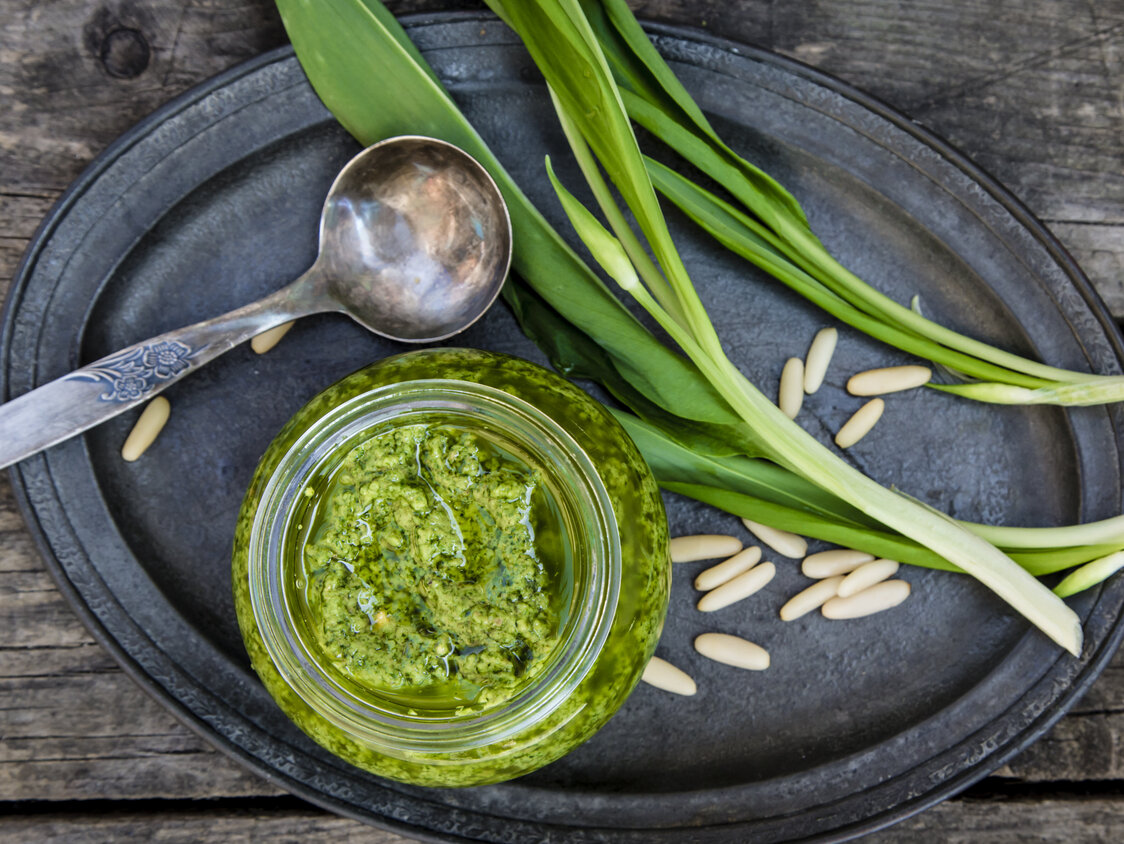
x=593 y=605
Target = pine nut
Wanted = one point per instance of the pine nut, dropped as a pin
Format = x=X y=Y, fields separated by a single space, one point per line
x=814 y=597
x=879 y=597
x=833 y=562
x=265 y=341
x=705 y=546
x=742 y=586
x=891 y=379
x=860 y=423
x=147 y=428
x=867 y=575
x=818 y=358
x=732 y=650
x=715 y=576
x=784 y=543
x=664 y=675
x=791 y=394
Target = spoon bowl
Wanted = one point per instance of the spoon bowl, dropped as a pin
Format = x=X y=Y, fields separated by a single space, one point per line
x=415 y=239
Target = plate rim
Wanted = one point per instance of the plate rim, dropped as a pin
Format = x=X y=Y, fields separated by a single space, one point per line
x=996 y=191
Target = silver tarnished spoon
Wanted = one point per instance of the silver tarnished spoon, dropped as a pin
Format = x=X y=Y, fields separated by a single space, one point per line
x=415 y=243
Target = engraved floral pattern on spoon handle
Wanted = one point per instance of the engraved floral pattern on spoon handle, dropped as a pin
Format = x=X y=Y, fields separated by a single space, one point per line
x=134 y=373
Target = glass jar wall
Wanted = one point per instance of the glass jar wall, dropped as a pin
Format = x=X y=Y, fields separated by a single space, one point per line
x=613 y=557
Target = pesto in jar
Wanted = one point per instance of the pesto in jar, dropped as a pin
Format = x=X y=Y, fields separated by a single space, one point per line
x=600 y=534
x=430 y=570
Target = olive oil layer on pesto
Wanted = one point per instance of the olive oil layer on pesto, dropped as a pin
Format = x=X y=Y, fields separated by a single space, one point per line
x=423 y=576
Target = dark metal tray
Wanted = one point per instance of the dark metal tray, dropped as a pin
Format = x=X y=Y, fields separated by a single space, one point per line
x=214 y=200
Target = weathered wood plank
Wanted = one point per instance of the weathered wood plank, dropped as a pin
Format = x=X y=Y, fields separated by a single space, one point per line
x=20 y=214
x=67 y=97
x=199 y=827
x=1081 y=747
x=1012 y=821
x=992 y=821
x=73 y=725
x=96 y=735
x=33 y=615
x=16 y=550
x=1086 y=745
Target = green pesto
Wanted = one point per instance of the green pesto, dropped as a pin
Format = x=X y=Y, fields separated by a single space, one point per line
x=423 y=579
x=645 y=574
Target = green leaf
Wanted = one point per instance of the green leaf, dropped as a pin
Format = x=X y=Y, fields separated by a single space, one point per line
x=746 y=237
x=673 y=461
x=892 y=546
x=576 y=355
x=641 y=70
x=1043 y=561
x=1090 y=575
x=773 y=210
x=1097 y=390
x=604 y=248
x=656 y=100
x=565 y=49
x=687 y=466
x=375 y=82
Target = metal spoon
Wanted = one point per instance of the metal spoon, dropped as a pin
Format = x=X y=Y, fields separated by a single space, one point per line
x=415 y=243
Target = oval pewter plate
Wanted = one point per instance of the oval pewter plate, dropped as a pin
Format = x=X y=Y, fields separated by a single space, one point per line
x=214 y=201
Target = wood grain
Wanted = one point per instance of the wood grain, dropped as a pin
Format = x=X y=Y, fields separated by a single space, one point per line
x=74 y=726
x=1086 y=745
x=1034 y=91
x=1012 y=821
x=239 y=827
x=990 y=821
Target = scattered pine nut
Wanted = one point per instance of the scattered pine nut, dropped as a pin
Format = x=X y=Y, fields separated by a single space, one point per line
x=836 y=561
x=879 y=597
x=814 y=597
x=791 y=394
x=867 y=575
x=742 y=586
x=147 y=428
x=715 y=576
x=265 y=341
x=860 y=423
x=891 y=379
x=819 y=356
x=704 y=546
x=784 y=543
x=732 y=650
x=663 y=675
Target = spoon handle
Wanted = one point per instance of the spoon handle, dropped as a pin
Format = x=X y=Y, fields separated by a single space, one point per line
x=88 y=396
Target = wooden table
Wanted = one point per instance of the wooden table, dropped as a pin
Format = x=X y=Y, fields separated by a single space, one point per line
x=1033 y=90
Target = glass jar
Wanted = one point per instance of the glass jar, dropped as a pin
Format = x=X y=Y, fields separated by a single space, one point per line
x=617 y=563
